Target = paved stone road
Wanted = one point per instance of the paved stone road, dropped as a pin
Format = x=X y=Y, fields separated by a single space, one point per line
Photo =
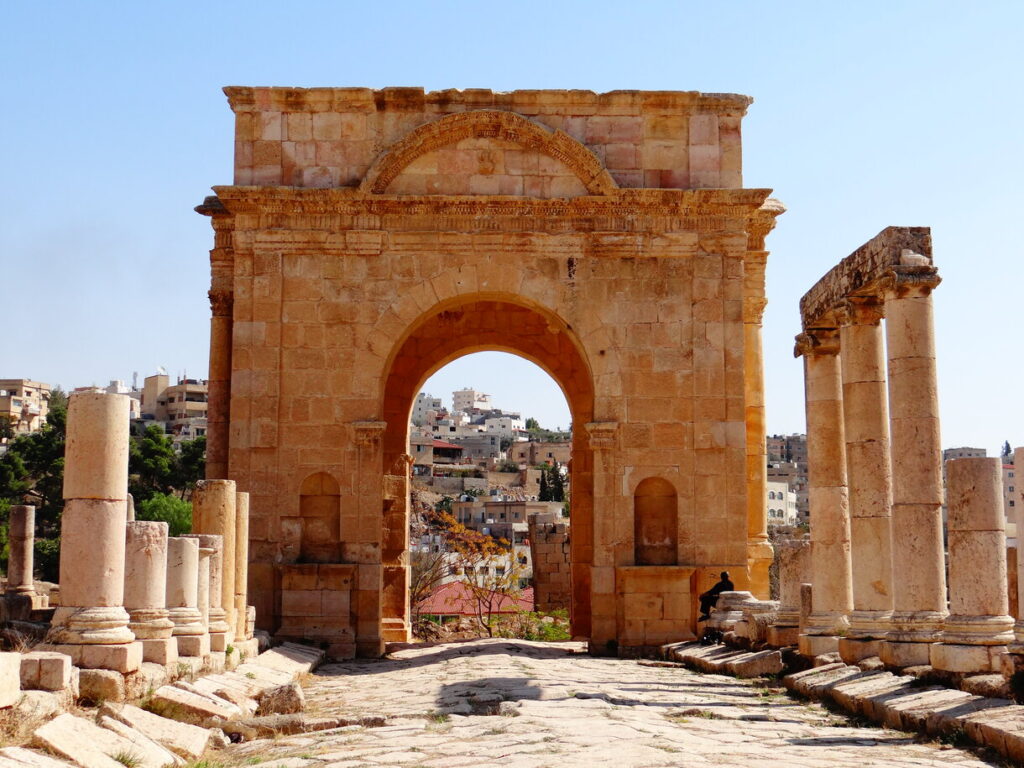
x=513 y=703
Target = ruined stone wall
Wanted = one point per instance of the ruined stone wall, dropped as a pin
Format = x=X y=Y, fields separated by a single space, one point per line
x=549 y=551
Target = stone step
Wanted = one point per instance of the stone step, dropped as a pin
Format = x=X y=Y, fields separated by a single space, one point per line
x=718 y=659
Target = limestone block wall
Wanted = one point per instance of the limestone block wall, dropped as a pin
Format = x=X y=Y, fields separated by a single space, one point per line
x=316 y=604
x=549 y=552
x=330 y=137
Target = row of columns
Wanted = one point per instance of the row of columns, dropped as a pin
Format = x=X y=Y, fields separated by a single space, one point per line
x=184 y=595
x=875 y=486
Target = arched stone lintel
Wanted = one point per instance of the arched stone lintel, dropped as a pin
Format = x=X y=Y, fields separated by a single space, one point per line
x=488 y=124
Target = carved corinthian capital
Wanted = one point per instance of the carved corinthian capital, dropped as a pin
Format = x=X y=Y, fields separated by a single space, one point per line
x=221 y=303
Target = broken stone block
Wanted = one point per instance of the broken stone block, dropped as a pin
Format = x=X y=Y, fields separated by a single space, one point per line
x=10 y=679
x=88 y=745
x=145 y=748
x=46 y=671
x=30 y=759
x=101 y=685
x=283 y=700
x=188 y=741
x=756 y=664
x=181 y=704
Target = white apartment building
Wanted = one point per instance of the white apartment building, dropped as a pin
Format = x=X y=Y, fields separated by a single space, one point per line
x=504 y=426
x=468 y=399
x=425 y=403
x=781 y=505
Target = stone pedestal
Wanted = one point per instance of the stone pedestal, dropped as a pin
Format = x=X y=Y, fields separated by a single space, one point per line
x=869 y=477
x=976 y=632
x=240 y=562
x=828 y=496
x=183 y=597
x=91 y=624
x=792 y=556
x=145 y=590
x=919 y=577
x=213 y=512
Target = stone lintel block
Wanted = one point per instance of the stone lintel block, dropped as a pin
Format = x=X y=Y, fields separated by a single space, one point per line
x=163 y=651
x=817 y=645
x=101 y=685
x=901 y=655
x=10 y=679
x=852 y=649
x=197 y=646
x=950 y=657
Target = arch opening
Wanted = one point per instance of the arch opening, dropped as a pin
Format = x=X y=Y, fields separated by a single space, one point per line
x=441 y=336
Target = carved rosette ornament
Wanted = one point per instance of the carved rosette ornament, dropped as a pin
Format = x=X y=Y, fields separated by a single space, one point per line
x=221 y=303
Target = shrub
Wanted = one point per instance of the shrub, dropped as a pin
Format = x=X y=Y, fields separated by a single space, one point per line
x=167 y=509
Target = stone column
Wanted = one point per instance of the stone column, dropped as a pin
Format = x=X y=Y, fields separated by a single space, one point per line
x=145 y=590
x=130 y=508
x=219 y=381
x=183 y=597
x=214 y=614
x=241 y=566
x=22 y=534
x=919 y=574
x=975 y=634
x=869 y=476
x=91 y=624
x=213 y=512
x=826 y=478
x=793 y=570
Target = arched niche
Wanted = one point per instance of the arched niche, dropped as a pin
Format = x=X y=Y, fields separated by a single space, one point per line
x=320 y=512
x=655 y=523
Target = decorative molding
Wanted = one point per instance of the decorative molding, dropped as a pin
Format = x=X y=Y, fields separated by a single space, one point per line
x=488 y=124
x=903 y=281
x=817 y=341
x=860 y=310
x=602 y=434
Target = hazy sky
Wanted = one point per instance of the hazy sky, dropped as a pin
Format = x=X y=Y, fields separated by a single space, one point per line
x=866 y=115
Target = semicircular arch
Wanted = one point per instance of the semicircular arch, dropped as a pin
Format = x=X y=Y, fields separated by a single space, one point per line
x=488 y=124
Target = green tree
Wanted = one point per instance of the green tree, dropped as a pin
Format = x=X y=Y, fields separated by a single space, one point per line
x=1007 y=451
x=545 y=491
x=151 y=464
x=556 y=483
x=166 y=508
x=531 y=424
x=190 y=465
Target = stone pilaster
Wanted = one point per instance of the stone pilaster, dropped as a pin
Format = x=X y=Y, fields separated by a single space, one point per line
x=145 y=590
x=369 y=451
x=869 y=476
x=829 y=502
x=241 y=566
x=975 y=634
x=919 y=577
x=93 y=537
x=183 y=597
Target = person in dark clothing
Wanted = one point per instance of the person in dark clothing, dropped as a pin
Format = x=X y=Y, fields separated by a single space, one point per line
x=709 y=598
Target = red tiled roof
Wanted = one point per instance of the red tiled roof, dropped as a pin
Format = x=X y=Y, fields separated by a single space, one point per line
x=455 y=598
x=443 y=444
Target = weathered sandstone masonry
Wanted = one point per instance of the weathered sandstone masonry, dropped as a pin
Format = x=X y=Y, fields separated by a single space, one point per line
x=183 y=597
x=214 y=512
x=91 y=624
x=373 y=236
x=890 y=452
x=549 y=553
x=145 y=590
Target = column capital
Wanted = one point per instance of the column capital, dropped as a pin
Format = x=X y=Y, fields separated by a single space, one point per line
x=221 y=303
x=817 y=341
x=860 y=310
x=909 y=280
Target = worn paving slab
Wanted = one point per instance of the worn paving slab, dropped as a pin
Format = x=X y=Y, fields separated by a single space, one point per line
x=518 y=704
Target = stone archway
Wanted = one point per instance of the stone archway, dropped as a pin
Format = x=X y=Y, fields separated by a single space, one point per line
x=371 y=236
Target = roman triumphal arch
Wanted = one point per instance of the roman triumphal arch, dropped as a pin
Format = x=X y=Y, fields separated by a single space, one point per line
x=370 y=237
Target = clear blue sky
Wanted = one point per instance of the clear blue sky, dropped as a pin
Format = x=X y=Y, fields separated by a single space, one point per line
x=866 y=114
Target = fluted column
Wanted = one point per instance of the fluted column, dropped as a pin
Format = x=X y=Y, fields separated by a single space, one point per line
x=21 y=534
x=869 y=476
x=826 y=478
x=93 y=536
x=919 y=576
x=975 y=634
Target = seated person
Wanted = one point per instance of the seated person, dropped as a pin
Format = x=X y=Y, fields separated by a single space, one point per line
x=709 y=598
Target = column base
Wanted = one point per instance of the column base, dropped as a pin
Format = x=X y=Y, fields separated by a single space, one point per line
x=916 y=626
x=123 y=658
x=162 y=651
x=193 y=645
x=967 y=659
x=854 y=649
x=781 y=637
x=900 y=654
x=101 y=625
x=219 y=642
x=817 y=645
x=247 y=649
x=977 y=630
